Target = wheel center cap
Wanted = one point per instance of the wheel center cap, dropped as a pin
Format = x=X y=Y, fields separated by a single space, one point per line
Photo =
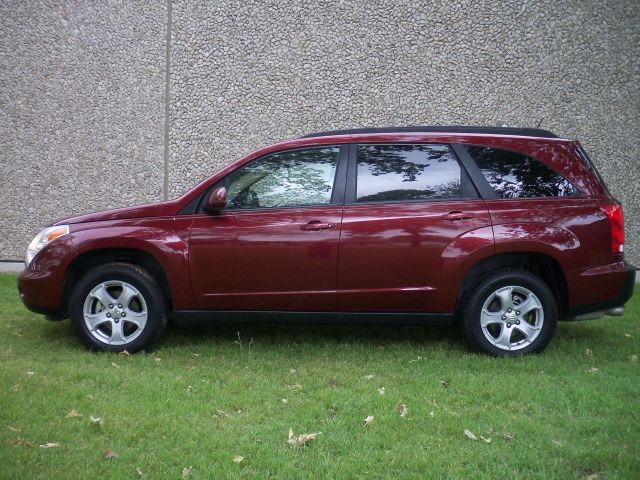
x=116 y=314
x=511 y=316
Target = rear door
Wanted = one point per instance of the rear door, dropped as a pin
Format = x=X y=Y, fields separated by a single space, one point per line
x=404 y=205
x=275 y=246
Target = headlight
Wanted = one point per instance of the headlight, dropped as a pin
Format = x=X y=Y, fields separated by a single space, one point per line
x=46 y=236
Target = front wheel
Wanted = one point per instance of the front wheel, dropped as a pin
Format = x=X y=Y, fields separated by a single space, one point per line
x=116 y=307
x=511 y=312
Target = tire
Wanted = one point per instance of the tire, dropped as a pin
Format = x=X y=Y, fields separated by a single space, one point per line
x=510 y=313
x=116 y=307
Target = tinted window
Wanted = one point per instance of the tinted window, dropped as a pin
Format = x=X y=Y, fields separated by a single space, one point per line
x=285 y=179
x=582 y=153
x=515 y=175
x=407 y=172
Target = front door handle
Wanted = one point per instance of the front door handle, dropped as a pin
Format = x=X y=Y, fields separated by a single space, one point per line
x=316 y=225
x=457 y=215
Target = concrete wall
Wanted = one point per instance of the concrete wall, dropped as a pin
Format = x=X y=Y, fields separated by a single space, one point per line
x=83 y=88
x=82 y=108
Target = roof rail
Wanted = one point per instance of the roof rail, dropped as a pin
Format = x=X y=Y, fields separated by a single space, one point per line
x=524 y=132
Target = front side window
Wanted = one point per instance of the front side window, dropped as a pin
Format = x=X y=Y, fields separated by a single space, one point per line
x=285 y=179
x=407 y=172
x=515 y=175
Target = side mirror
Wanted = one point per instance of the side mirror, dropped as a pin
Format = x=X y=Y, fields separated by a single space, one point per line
x=217 y=200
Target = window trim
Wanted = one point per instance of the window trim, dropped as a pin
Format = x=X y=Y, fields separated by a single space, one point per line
x=337 y=192
x=466 y=183
x=584 y=156
x=482 y=185
x=483 y=179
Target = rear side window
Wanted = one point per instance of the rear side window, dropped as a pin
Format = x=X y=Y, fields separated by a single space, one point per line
x=407 y=172
x=582 y=153
x=515 y=175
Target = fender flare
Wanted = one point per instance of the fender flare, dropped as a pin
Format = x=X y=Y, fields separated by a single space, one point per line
x=165 y=246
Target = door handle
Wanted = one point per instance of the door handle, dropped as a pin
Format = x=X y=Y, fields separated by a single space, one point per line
x=457 y=215
x=316 y=225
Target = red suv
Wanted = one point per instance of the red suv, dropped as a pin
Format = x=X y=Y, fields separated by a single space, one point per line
x=503 y=231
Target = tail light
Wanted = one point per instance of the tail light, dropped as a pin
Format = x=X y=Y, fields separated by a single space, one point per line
x=614 y=214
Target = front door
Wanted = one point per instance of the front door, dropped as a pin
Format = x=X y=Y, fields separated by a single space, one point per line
x=275 y=245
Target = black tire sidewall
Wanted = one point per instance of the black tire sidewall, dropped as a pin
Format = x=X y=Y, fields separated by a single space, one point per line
x=503 y=278
x=148 y=288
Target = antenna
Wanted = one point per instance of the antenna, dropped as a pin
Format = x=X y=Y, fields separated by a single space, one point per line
x=540 y=122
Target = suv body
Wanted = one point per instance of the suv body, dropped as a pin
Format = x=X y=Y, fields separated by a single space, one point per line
x=411 y=225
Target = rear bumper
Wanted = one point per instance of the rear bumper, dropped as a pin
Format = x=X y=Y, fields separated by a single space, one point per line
x=625 y=293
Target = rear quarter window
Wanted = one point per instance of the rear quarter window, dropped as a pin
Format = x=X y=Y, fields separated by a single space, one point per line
x=516 y=175
x=582 y=153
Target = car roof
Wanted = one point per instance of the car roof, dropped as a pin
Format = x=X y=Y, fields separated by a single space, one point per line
x=522 y=132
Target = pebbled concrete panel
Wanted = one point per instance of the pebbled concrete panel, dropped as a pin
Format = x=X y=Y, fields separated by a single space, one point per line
x=82 y=98
x=82 y=88
x=247 y=73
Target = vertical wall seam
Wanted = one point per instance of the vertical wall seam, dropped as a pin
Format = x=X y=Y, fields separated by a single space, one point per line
x=167 y=99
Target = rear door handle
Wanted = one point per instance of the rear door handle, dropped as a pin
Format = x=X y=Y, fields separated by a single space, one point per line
x=315 y=225
x=457 y=215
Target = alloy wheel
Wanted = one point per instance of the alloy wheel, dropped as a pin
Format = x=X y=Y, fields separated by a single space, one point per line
x=115 y=312
x=512 y=318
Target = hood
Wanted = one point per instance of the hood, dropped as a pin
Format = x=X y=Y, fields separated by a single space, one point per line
x=149 y=210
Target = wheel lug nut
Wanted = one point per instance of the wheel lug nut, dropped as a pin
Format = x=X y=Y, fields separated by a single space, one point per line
x=123 y=314
x=116 y=320
x=517 y=322
x=108 y=315
x=119 y=305
x=509 y=310
x=111 y=305
x=504 y=317
x=517 y=312
x=508 y=325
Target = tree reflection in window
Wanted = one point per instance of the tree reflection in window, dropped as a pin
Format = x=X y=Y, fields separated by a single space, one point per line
x=407 y=172
x=515 y=175
x=285 y=179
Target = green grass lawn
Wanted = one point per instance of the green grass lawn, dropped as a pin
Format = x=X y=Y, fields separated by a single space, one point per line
x=203 y=397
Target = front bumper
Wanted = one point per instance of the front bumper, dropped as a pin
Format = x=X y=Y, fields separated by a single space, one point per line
x=40 y=285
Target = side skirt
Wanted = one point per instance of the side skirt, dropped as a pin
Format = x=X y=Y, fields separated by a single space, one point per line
x=343 y=318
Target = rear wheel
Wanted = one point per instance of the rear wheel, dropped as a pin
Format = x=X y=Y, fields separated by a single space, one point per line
x=511 y=312
x=116 y=307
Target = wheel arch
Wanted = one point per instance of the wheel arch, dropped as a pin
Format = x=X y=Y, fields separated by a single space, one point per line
x=92 y=258
x=544 y=266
